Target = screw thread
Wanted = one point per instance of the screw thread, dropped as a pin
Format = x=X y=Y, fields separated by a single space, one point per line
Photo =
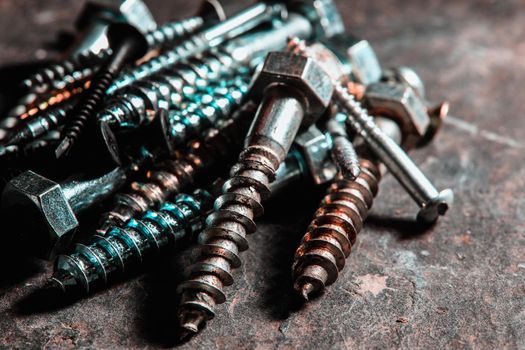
x=175 y=174
x=187 y=48
x=83 y=65
x=333 y=230
x=59 y=76
x=85 y=109
x=137 y=104
x=225 y=236
x=94 y=265
x=171 y=32
x=210 y=107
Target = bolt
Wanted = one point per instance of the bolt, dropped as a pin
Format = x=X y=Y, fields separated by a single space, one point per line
x=34 y=202
x=295 y=92
x=128 y=45
x=178 y=172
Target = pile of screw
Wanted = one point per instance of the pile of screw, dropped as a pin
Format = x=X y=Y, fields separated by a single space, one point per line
x=147 y=114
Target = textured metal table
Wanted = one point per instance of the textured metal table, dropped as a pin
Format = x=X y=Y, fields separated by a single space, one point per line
x=459 y=285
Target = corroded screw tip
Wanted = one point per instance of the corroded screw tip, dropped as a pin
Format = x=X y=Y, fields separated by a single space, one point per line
x=190 y=323
x=436 y=207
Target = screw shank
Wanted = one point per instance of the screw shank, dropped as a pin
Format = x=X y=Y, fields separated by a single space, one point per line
x=277 y=122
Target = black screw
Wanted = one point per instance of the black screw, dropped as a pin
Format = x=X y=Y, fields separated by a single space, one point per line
x=128 y=45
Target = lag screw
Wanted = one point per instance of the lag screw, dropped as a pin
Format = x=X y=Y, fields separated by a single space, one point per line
x=132 y=243
x=128 y=45
x=177 y=173
x=295 y=92
x=120 y=248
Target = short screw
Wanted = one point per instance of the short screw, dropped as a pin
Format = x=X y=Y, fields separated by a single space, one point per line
x=432 y=203
x=128 y=45
x=333 y=230
x=290 y=101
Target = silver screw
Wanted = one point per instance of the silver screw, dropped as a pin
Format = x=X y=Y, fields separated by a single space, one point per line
x=432 y=203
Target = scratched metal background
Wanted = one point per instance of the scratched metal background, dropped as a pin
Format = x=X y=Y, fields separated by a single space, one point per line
x=459 y=285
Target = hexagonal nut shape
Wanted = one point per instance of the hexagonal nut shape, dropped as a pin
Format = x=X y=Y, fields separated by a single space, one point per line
x=358 y=57
x=283 y=69
x=402 y=104
x=315 y=148
x=134 y=12
x=323 y=14
x=35 y=204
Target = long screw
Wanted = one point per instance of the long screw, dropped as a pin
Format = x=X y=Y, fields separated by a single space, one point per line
x=177 y=173
x=431 y=202
x=137 y=105
x=122 y=247
x=276 y=124
x=234 y=26
x=132 y=104
x=83 y=65
x=333 y=230
x=128 y=45
x=66 y=75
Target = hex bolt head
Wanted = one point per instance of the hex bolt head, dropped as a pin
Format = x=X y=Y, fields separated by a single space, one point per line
x=31 y=201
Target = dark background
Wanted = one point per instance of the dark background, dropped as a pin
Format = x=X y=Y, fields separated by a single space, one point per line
x=458 y=285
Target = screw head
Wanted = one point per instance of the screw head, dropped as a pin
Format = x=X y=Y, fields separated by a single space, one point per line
x=436 y=207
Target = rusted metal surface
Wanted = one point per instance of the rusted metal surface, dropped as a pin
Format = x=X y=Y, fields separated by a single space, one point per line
x=460 y=284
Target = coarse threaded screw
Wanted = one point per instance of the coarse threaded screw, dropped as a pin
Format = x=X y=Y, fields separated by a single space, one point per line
x=137 y=105
x=121 y=248
x=83 y=65
x=332 y=233
x=339 y=219
x=432 y=203
x=236 y=25
x=133 y=104
x=128 y=45
x=289 y=97
x=177 y=173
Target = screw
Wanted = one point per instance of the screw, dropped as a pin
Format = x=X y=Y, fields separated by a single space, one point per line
x=343 y=151
x=177 y=173
x=40 y=202
x=432 y=203
x=236 y=25
x=296 y=91
x=333 y=230
x=123 y=246
x=128 y=45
